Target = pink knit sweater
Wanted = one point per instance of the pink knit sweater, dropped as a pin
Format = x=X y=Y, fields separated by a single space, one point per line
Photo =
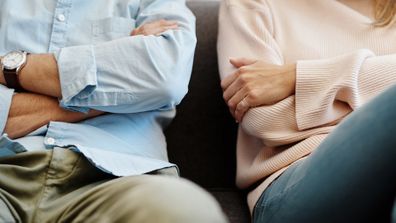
x=342 y=62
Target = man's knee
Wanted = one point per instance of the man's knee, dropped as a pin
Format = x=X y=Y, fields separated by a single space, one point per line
x=166 y=199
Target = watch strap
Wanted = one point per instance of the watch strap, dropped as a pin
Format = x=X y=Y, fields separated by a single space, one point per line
x=11 y=78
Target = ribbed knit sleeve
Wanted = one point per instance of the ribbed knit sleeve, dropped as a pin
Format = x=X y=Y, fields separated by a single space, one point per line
x=343 y=61
x=329 y=89
x=245 y=30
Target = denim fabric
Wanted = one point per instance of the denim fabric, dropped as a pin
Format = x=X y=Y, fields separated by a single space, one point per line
x=350 y=178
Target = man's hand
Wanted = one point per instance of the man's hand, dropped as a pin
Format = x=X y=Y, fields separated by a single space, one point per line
x=257 y=83
x=29 y=112
x=154 y=28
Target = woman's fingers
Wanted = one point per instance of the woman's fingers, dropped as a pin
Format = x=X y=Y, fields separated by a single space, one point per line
x=225 y=83
x=240 y=62
x=231 y=90
x=256 y=83
x=236 y=98
x=246 y=98
x=242 y=107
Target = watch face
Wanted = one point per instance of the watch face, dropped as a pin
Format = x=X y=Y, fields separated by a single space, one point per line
x=13 y=60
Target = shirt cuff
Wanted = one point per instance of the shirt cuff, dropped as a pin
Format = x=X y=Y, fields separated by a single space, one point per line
x=77 y=74
x=5 y=104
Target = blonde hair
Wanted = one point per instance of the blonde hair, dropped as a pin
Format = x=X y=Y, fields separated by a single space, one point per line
x=385 y=11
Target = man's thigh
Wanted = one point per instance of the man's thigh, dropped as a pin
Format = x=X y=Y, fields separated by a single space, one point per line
x=21 y=181
x=62 y=186
x=146 y=198
x=34 y=185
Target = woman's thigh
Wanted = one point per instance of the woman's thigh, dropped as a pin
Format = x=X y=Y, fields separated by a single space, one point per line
x=351 y=177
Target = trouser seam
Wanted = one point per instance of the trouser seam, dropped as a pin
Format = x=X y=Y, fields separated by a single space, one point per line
x=75 y=166
x=48 y=185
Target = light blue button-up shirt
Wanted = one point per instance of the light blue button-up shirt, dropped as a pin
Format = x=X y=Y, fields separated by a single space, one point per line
x=138 y=79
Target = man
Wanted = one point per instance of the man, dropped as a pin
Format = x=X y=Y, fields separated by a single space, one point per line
x=88 y=104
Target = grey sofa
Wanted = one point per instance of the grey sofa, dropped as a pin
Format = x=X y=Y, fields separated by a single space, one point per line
x=201 y=140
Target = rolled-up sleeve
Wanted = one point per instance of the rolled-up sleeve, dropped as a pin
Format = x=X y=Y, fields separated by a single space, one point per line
x=5 y=104
x=134 y=73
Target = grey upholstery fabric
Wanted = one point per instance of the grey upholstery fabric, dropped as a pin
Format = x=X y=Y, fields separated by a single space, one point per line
x=202 y=138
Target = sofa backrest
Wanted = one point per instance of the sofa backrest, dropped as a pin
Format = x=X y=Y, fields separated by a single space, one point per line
x=201 y=140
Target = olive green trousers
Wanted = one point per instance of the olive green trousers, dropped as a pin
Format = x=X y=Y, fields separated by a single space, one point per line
x=60 y=185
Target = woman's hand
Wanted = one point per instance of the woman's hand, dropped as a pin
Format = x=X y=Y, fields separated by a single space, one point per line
x=154 y=28
x=257 y=83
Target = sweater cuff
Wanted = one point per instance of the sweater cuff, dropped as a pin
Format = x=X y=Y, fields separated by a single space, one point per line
x=320 y=82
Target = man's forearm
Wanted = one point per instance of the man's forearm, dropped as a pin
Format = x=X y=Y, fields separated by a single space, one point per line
x=40 y=75
x=29 y=112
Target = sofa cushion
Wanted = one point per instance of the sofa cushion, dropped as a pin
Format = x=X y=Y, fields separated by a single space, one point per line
x=202 y=138
x=233 y=203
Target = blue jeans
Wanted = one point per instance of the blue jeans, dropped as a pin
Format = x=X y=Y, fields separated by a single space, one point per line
x=350 y=178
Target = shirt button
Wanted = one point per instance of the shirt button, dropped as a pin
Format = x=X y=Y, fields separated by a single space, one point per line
x=61 y=18
x=50 y=141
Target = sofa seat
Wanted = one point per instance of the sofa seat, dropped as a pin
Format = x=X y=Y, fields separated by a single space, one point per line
x=202 y=138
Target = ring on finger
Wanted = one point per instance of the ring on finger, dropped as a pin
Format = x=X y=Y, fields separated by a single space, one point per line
x=243 y=105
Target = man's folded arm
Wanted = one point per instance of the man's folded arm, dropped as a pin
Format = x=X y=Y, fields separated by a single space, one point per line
x=23 y=113
x=127 y=75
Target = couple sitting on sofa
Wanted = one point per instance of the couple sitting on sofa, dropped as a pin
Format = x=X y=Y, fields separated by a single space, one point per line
x=82 y=114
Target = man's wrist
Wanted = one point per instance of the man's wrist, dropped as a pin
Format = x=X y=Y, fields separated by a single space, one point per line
x=40 y=75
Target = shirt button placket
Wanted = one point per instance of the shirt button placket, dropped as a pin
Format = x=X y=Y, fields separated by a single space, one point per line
x=59 y=27
x=61 y=18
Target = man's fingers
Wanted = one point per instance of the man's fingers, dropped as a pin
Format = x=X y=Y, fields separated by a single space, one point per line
x=162 y=29
x=240 y=62
x=174 y=26
x=155 y=28
x=134 y=32
x=167 y=22
x=159 y=30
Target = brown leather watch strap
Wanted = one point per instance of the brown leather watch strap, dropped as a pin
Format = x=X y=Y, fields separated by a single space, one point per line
x=11 y=78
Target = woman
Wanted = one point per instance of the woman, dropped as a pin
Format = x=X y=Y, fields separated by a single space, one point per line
x=292 y=71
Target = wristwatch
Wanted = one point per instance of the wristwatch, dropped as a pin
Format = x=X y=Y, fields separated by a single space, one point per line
x=12 y=63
